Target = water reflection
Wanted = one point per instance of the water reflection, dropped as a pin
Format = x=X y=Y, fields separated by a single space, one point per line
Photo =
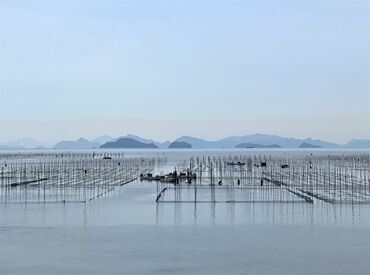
x=136 y=206
x=262 y=213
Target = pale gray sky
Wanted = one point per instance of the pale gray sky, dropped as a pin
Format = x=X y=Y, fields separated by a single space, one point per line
x=162 y=69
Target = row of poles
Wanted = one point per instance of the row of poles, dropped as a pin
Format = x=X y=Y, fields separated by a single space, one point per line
x=67 y=177
x=330 y=178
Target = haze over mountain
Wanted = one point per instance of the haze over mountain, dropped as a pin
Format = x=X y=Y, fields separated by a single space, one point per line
x=81 y=143
x=358 y=143
x=253 y=140
x=103 y=139
x=262 y=139
x=128 y=143
x=23 y=143
x=161 y=145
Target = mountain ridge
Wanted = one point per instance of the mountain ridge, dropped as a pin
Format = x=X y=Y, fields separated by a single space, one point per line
x=80 y=143
x=25 y=143
x=195 y=142
x=128 y=143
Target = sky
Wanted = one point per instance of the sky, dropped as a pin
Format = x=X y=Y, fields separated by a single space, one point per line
x=163 y=69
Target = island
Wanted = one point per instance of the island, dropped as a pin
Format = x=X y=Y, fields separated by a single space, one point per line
x=81 y=143
x=308 y=145
x=180 y=145
x=252 y=145
x=128 y=143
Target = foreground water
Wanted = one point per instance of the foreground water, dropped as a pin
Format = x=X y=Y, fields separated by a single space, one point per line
x=128 y=232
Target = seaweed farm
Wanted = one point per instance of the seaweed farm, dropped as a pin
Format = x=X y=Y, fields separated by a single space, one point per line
x=330 y=178
x=83 y=177
x=212 y=211
x=66 y=177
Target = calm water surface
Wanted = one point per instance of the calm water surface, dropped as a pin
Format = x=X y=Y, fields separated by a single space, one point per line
x=128 y=233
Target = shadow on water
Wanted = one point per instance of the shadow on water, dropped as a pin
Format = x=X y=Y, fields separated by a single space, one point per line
x=135 y=204
x=211 y=213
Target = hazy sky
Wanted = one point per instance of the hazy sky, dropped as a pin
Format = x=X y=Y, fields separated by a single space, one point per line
x=162 y=69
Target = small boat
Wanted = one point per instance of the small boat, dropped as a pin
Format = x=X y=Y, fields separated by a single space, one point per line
x=170 y=177
x=236 y=163
x=150 y=176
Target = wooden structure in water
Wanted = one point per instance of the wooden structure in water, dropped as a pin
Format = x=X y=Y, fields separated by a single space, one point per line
x=35 y=177
x=173 y=177
x=336 y=179
x=81 y=177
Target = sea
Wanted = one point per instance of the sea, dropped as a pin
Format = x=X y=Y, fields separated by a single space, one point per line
x=127 y=232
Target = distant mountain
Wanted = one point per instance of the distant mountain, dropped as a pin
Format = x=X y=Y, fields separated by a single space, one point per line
x=308 y=145
x=198 y=143
x=251 y=141
x=252 y=145
x=264 y=139
x=103 y=139
x=180 y=145
x=81 y=143
x=128 y=143
x=358 y=144
x=6 y=147
x=145 y=140
x=322 y=144
x=23 y=143
x=260 y=139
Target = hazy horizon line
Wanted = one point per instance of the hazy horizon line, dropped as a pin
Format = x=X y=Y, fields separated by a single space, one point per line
x=161 y=140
